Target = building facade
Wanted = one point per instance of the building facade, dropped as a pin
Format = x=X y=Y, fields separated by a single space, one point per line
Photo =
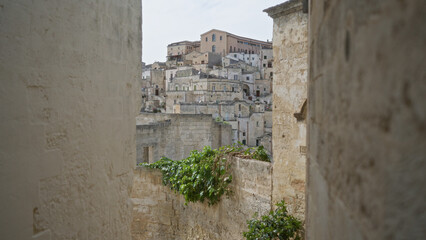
x=224 y=43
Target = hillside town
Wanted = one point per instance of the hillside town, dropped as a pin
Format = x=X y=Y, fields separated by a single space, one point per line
x=224 y=75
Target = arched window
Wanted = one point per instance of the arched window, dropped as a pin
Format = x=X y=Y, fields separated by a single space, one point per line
x=214 y=37
x=214 y=48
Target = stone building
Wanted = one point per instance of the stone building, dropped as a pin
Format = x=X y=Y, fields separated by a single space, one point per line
x=176 y=51
x=290 y=46
x=267 y=63
x=224 y=43
x=175 y=135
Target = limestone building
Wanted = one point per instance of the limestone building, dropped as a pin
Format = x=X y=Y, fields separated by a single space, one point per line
x=176 y=51
x=224 y=43
x=290 y=43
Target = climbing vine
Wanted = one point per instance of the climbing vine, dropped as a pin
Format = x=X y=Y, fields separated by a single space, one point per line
x=276 y=225
x=203 y=175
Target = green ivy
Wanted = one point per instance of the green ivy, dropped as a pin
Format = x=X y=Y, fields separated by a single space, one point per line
x=203 y=175
x=276 y=225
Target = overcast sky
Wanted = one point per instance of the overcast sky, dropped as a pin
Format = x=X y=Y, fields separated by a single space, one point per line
x=168 y=21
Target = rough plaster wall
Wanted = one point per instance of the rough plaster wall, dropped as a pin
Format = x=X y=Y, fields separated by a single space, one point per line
x=69 y=94
x=159 y=213
x=290 y=48
x=367 y=123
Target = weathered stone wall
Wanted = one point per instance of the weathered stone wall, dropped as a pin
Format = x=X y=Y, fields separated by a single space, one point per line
x=367 y=120
x=159 y=213
x=290 y=50
x=69 y=96
x=176 y=135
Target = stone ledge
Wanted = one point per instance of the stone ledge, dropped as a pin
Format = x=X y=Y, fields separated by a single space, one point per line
x=285 y=8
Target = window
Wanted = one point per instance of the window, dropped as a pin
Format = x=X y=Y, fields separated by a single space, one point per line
x=264 y=89
x=264 y=65
x=214 y=48
x=244 y=134
x=239 y=107
x=257 y=142
x=257 y=124
x=207 y=39
x=265 y=57
x=214 y=37
x=224 y=88
x=235 y=77
x=247 y=78
x=269 y=65
x=252 y=58
x=233 y=89
x=214 y=88
x=235 y=49
x=244 y=142
x=270 y=74
x=175 y=101
x=176 y=88
x=235 y=55
x=230 y=48
x=220 y=38
x=195 y=88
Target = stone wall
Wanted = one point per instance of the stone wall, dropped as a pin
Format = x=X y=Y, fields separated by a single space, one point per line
x=159 y=213
x=367 y=120
x=69 y=96
x=290 y=50
x=176 y=135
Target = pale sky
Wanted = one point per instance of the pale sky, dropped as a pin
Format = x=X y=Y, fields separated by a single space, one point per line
x=168 y=21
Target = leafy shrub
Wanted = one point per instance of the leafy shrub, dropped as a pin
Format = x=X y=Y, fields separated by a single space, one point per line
x=203 y=175
x=276 y=225
x=258 y=153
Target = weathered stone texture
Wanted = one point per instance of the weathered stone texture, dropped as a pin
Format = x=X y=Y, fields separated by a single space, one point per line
x=176 y=135
x=159 y=213
x=367 y=120
x=69 y=97
x=290 y=49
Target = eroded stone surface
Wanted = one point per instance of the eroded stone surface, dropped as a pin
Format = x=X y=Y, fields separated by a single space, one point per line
x=367 y=120
x=69 y=97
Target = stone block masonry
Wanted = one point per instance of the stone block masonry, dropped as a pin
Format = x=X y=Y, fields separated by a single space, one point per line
x=290 y=48
x=69 y=96
x=159 y=213
x=176 y=135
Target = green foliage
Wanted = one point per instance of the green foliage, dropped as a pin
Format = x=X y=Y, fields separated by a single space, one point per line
x=203 y=175
x=276 y=225
x=258 y=153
